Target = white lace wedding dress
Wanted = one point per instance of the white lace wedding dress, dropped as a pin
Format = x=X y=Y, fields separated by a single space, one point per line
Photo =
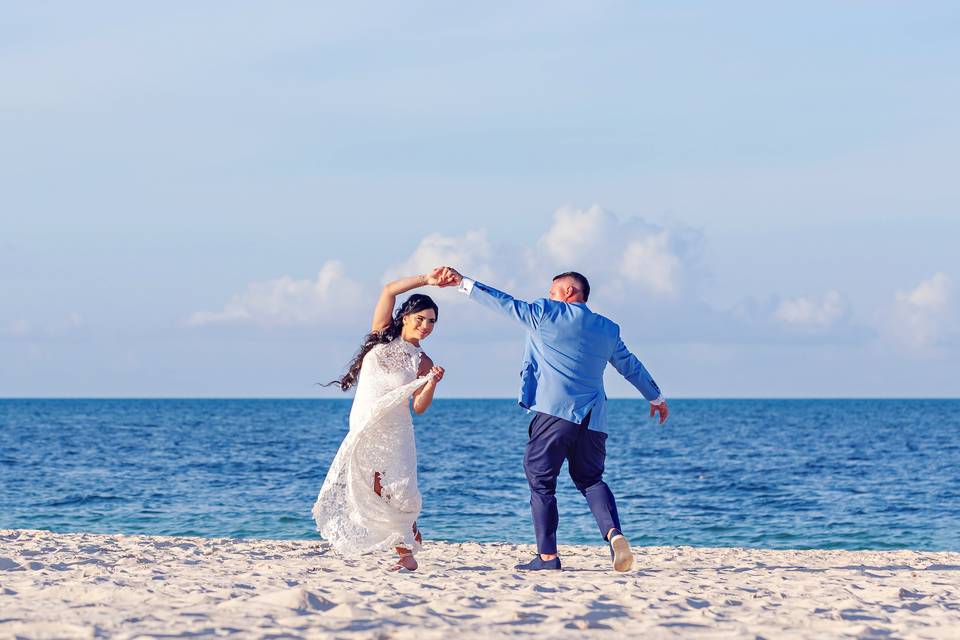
x=348 y=511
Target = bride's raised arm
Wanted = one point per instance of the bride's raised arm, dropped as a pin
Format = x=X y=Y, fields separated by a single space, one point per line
x=383 y=313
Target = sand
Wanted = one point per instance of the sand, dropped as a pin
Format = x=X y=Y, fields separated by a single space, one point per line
x=88 y=586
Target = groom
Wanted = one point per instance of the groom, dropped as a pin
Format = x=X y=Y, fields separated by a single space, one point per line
x=567 y=349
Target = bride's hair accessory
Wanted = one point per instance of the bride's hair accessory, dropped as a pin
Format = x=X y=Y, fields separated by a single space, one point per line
x=416 y=302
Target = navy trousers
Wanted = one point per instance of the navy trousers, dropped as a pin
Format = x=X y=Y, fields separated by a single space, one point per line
x=553 y=440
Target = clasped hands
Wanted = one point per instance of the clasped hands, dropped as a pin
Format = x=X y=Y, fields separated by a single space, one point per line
x=444 y=277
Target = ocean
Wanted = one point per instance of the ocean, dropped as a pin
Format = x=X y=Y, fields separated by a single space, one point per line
x=775 y=474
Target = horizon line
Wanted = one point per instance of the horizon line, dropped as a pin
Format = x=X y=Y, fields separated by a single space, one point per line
x=107 y=397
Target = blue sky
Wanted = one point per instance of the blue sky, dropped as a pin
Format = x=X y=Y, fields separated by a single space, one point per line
x=204 y=200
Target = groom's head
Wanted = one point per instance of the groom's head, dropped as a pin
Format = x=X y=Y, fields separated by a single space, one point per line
x=570 y=287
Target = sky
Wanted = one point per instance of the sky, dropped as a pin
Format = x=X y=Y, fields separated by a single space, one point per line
x=204 y=199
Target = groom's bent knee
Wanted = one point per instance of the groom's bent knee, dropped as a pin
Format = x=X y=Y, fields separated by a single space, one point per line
x=542 y=484
x=541 y=481
x=586 y=486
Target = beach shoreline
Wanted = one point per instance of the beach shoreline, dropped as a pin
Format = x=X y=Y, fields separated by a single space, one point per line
x=81 y=585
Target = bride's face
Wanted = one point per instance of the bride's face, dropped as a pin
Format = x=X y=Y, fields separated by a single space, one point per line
x=419 y=324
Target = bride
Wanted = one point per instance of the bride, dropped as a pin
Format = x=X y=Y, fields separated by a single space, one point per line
x=370 y=500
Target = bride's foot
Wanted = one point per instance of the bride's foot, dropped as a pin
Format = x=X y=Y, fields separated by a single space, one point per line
x=405 y=561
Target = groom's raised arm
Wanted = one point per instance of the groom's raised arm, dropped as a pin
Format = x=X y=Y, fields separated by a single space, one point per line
x=527 y=313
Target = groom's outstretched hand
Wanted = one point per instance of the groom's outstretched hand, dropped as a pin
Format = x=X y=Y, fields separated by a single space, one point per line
x=661 y=409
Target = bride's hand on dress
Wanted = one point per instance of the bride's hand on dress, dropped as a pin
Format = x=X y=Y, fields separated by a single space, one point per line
x=436 y=374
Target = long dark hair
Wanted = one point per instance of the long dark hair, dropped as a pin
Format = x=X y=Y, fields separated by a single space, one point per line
x=416 y=302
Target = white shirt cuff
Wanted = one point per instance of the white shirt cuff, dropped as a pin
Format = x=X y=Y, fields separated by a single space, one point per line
x=466 y=285
x=660 y=400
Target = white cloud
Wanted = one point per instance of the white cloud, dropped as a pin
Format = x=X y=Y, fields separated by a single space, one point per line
x=575 y=234
x=811 y=312
x=471 y=253
x=642 y=274
x=650 y=263
x=922 y=316
x=627 y=262
x=617 y=253
x=930 y=294
x=612 y=253
x=288 y=302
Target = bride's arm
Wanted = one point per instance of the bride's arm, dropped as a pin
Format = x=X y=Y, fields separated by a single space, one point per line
x=423 y=396
x=383 y=313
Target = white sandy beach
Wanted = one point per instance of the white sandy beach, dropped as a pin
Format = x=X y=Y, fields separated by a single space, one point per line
x=86 y=586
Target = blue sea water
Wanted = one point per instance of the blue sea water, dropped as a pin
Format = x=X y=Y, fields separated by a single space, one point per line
x=848 y=474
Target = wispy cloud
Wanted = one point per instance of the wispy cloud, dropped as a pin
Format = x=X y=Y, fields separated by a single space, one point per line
x=52 y=329
x=18 y=329
x=810 y=312
x=290 y=302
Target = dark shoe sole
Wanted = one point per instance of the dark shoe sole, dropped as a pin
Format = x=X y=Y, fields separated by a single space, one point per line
x=522 y=568
x=526 y=567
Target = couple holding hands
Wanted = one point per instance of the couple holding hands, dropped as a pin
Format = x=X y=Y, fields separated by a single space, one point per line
x=370 y=500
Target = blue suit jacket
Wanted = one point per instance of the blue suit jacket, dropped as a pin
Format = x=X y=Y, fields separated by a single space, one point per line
x=567 y=349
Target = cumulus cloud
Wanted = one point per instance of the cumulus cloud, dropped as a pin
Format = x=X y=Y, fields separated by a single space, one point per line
x=613 y=253
x=289 y=302
x=576 y=233
x=809 y=312
x=651 y=258
x=651 y=263
x=472 y=253
x=931 y=295
x=628 y=261
x=475 y=256
x=922 y=315
x=642 y=274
